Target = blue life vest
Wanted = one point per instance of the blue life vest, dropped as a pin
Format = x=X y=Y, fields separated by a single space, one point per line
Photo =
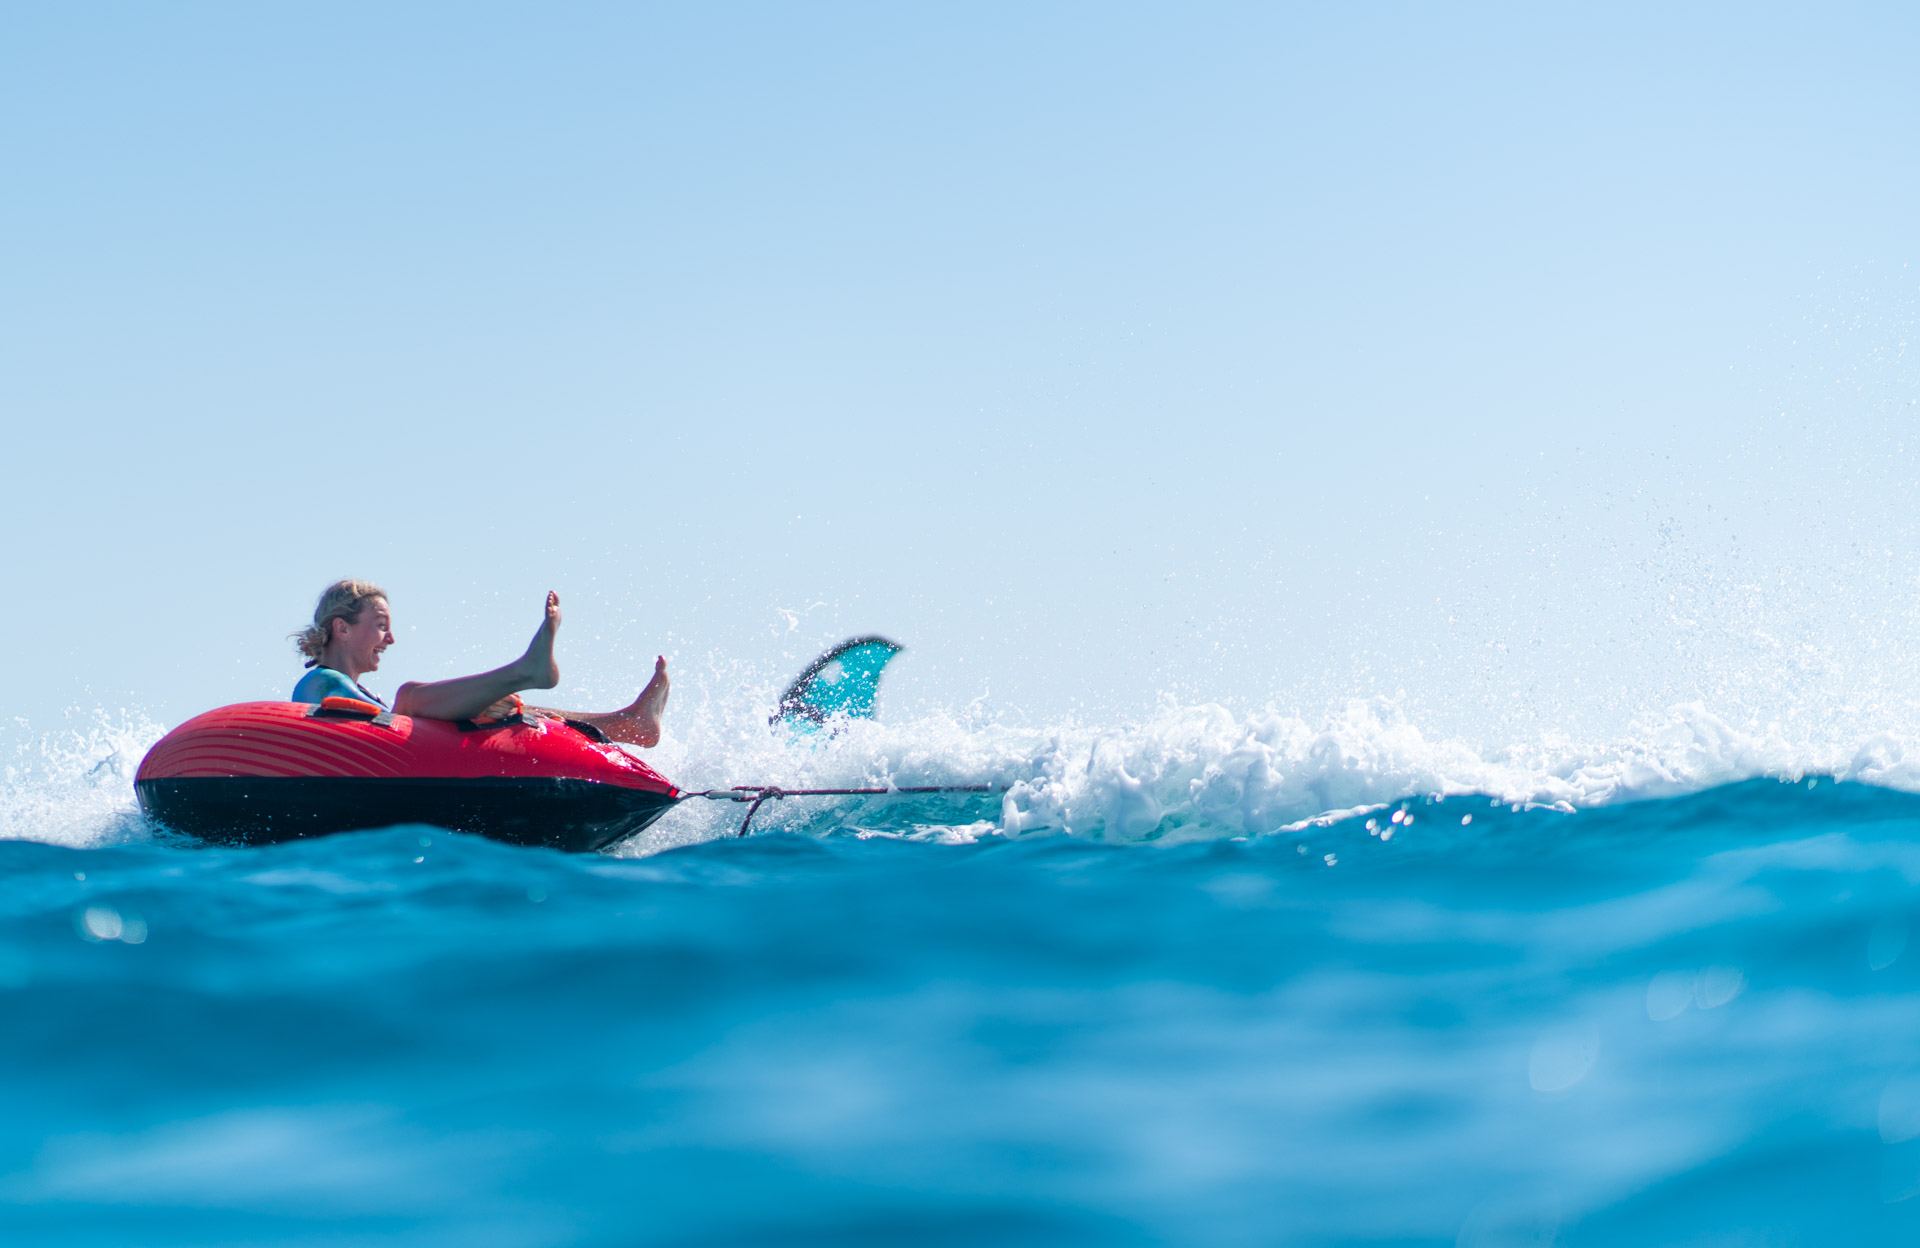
x=324 y=682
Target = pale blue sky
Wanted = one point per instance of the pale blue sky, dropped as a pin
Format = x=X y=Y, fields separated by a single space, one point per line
x=1094 y=351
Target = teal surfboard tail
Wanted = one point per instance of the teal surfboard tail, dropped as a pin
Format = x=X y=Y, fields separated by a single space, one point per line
x=842 y=682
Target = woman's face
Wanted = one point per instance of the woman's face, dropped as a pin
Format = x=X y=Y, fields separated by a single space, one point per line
x=360 y=642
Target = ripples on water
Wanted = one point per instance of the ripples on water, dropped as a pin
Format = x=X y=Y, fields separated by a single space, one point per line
x=1689 y=1020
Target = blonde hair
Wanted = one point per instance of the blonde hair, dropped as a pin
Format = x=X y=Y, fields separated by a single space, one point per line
x=343 y=600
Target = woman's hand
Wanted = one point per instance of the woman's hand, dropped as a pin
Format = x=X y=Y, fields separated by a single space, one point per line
x=509 y=705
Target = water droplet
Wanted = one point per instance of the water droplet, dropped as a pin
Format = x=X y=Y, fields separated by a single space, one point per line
x=1561 y=1059
x=1900 y=1109
x=1887 y=942
x=1718 y=985
x=1669 y=994
x=98 y=923
x=536 y=894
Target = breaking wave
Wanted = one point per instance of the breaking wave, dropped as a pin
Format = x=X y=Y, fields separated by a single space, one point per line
x=1184 y=772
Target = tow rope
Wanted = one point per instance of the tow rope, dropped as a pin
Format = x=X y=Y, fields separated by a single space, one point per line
x=754 y=794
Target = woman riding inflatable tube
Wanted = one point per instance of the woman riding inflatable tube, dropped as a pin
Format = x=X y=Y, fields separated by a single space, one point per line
x=353 y=625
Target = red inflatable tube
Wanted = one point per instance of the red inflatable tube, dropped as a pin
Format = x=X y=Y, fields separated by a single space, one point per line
x=260 y=772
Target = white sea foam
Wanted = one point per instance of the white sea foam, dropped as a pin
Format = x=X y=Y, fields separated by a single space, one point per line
x=1184 y=772
x=1191 y=772
x=74 y=785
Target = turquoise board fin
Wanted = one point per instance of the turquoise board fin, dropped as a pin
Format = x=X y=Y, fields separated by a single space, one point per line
x=843 y=681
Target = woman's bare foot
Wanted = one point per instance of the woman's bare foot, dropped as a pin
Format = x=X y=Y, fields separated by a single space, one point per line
x=646 y=710
x=537 y=667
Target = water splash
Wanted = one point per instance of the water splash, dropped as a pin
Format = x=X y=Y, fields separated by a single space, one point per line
x=1186 y=772
x=74 y=785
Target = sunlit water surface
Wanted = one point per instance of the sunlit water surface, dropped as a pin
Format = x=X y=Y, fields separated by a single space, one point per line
x=1687 y=1020
x=1202 y=980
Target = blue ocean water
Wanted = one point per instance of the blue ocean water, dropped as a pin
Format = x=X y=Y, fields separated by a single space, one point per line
x=1208 y=980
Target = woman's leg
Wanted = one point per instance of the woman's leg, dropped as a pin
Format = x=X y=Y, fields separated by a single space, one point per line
x=466 y=696
x=638 y=723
